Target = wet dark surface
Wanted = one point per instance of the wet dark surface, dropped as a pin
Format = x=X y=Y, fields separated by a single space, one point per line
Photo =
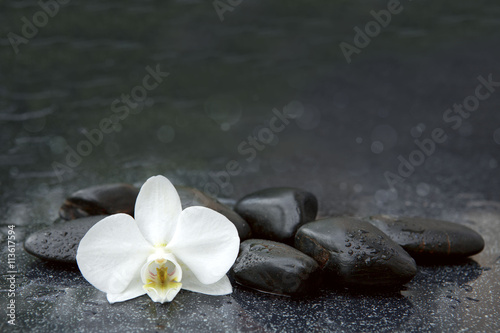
x=353 y=252
x=225 y=79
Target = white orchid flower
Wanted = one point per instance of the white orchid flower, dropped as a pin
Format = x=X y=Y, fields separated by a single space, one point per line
x=164 y=249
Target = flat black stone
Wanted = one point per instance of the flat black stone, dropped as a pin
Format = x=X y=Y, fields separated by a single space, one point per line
x=194 y=197
x=277 y=213
x=59 y=242
x=354 y=252
x=120 y=198
x=100 y=200
x=430 y=239
x=275 y=267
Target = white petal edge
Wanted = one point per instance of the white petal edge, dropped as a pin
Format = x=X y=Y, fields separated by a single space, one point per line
x=206 y=242
x=112 y=252
x=156 y=210
x=191 y=283
x=134 y=289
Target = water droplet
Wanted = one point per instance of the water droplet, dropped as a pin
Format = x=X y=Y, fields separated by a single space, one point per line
x=225 y=110
x=377 y=147
x=423 y=189
x=310 y=118
x=57 y=144
x=386 y=135
x=166 y=134
x=467 y=288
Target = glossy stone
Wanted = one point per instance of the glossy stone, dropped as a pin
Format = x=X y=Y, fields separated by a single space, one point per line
x=277 y=213
x=194 y=197
x=59 y=242
x=428 y=239
x=275 y=267
x=120 y=198
x=100 y=200
x=354 y=252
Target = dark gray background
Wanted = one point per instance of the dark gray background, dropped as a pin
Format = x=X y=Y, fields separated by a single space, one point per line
x=225 y=79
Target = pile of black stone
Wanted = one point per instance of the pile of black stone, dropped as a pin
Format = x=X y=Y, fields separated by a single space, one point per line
x=284 y=249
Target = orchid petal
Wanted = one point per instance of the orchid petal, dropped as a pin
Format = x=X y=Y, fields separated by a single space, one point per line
x=191 y=283
x=156 y=210
x=133 y=290
x=206 y=242
x=112 y=252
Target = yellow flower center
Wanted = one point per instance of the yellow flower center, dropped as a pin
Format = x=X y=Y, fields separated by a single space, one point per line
x=161 y=282
x=161 y=276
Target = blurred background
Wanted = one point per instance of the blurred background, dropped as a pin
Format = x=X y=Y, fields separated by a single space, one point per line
x=303 y=94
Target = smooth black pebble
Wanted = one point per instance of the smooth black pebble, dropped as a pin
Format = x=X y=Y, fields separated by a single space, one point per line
x=100 y=200
x=275 y=268
x=277 y=213
x=429 y=239
x=120 y=198
x=194 y=197
x=59 y=242
x=353 y=252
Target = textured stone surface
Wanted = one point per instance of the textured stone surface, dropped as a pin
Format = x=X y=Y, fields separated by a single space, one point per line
x=277 y=213
x=59 y=242
x=430 y=239
x=355 y=253
x=276 y=268
x=120 y=198
x=100 y=200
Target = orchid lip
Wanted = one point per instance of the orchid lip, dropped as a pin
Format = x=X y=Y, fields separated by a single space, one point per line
x=161 y=276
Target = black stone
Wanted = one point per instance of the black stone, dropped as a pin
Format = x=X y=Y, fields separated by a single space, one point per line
x=275 y=268
x=59 y=242
x=429 y=239
x=194 y=197
x=100 y=200
x=353 y=252
x=120 y=198
x=277 y=213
